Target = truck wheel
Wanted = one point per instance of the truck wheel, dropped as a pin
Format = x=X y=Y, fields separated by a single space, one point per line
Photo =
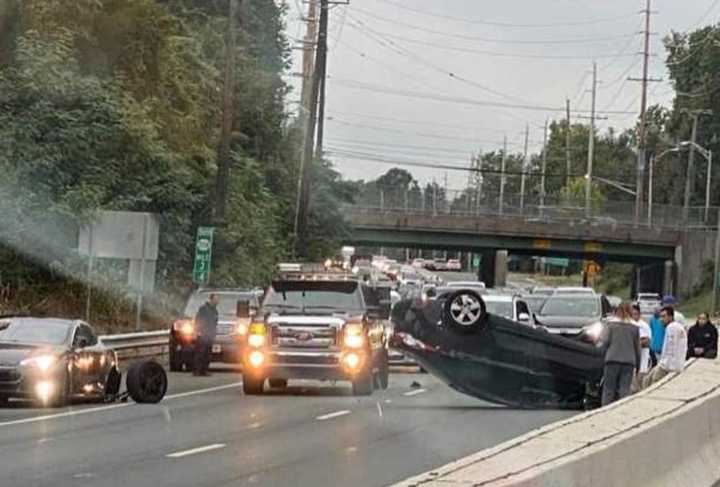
x=383 y=374
x=146 y=382
x=363 y=384
x=464 y=311
x=253 y=386
x=278 y=383
x=174 y=357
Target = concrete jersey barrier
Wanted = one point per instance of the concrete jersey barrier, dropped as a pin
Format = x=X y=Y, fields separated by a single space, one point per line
x=667 y=435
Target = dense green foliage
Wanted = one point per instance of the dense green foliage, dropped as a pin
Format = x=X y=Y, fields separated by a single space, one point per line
x=116 y=105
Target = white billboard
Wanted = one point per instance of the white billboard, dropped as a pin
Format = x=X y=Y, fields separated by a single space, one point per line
x=121 y=235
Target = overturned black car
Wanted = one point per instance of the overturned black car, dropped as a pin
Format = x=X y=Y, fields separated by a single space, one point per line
x=495 y=359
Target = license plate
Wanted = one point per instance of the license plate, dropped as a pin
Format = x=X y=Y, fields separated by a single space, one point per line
x=216 y=349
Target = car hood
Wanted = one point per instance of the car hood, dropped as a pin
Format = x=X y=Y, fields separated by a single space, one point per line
x=14 y=353
x=567 y=321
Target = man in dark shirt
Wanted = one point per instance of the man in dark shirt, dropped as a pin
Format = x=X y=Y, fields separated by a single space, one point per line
x=206 y=322
x=702 y=338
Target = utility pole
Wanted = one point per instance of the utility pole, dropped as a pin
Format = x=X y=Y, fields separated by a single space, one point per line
x=591 y=144
x=305 y=107
x=544 y=168
x=690 y=175
x=568 y=165
x=716 y=274
x=228 y=112
x=307 y=156
x=642 y=130
x=502 y=175
x=322 y=73
x=523 y=169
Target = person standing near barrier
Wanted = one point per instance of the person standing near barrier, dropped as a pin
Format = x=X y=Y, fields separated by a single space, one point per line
x=206 y=322
x=621 y=340
x=702 y=338
x=674 y=348
x=645 y=337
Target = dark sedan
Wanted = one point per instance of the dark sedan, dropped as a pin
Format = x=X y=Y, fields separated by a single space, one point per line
x=577 y=316
x=51 y=361
x=486 y=356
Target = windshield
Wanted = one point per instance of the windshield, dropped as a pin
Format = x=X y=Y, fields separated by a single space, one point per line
x=313 y=296
x=34 y=331
x=562 y=306
x=226 y=307
x=535 y=302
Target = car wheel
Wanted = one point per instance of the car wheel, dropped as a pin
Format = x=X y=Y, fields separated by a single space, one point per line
x=465 y=311
x=146 y=382
x=363 y=384
x=253 y=386
x=382 y=378
x=174 y=357
x=278 y=383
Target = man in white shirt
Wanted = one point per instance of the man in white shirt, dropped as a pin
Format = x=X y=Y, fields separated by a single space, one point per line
x=674 y=348
x=645 y=337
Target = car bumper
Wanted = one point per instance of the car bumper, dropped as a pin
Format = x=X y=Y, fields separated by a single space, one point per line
x=225 y=349
x=317 y=365
x=17 y=383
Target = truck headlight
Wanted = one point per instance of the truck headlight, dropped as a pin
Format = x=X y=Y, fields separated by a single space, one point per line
x=40 y=362
x=353 y=336
x=256 y=340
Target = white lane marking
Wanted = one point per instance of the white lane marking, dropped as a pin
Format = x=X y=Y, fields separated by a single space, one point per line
x=380 y=411
x=66 y=414
x=195 y=451
x=333 y=415
x=415 y=392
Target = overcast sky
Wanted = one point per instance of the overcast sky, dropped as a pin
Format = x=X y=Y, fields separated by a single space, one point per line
x=412 y=79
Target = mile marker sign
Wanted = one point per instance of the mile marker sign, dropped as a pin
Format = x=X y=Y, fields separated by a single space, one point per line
x=203 y=255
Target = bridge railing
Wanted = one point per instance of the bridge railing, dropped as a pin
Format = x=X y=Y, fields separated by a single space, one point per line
x=532 y=208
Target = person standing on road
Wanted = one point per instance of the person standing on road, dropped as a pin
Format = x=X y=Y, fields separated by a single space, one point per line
x=674 y=348
x=621 y=339
x=702 y=338
x=645 y=337
x=206 y=322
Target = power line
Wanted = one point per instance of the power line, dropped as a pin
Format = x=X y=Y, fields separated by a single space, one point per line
x=466 y=101
x=495 y=53
x=447 y=34
x=510 y=25
x=419 y=122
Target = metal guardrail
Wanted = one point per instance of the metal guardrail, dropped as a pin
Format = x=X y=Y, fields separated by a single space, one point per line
x=138 y=345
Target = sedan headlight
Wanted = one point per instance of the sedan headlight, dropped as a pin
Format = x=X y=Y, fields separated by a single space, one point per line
x=594 y=331
x=41 y=362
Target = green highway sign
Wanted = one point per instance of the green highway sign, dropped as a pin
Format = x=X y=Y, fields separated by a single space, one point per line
x=203 y=255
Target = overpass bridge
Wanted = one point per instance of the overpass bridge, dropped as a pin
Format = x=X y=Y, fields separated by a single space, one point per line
x=668 y=253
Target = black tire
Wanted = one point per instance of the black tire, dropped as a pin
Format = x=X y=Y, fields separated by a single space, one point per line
x=146 y=382
x=382 y=379
x=464 y=311
x=4 y=401
x=253 y=386
x=278 y=383
x=363 y=383
x=175 y=358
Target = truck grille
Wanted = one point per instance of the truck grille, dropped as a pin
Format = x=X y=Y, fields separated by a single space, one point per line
x=304 y=336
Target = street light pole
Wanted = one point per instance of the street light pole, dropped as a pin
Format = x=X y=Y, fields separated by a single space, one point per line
x=651 y=167
x=591 y=145
x=707 y=185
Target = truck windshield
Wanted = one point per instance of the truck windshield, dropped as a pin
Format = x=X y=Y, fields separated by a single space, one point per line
x=284 y=296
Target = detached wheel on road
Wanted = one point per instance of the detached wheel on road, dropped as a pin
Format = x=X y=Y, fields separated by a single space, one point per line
x=464 y=311
x=363 y=383
x=253 y=386
x=174 y=357
x=146 y=382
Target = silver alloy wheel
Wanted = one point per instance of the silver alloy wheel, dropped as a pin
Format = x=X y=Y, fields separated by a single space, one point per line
x=465 y=309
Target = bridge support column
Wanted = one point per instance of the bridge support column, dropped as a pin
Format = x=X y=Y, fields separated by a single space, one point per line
x=493 y=267
x=669 y=278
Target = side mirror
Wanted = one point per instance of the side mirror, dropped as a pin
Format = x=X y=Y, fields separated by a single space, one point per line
x=524 y=317
x=243 y=309
x=83 y=342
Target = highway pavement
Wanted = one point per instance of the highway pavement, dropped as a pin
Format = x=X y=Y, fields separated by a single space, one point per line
x=207 y=433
